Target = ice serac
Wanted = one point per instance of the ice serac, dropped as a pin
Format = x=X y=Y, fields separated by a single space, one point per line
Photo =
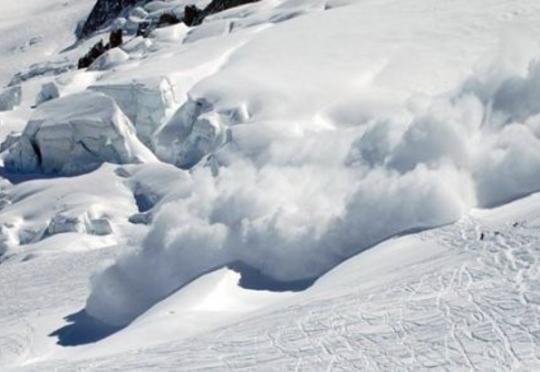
x=193 y=132
x=49 y=91
x=10 y=98
x=146 y=103
x=76 y=134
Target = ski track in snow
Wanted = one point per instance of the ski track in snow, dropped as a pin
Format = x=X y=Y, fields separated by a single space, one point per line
x=29 y=285
x=473 y=307
x=472 y=303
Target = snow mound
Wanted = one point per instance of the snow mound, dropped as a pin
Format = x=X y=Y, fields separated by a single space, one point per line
x=76 y=134
x=10 y=98
x=146 y=103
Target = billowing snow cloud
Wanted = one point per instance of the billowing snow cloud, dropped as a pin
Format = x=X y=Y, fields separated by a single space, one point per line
x=294 y=205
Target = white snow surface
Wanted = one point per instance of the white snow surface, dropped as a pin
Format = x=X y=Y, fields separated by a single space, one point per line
x=59 y=141
x=389 y=150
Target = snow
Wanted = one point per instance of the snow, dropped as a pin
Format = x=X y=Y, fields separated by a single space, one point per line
x=48 y=92
x=146 y=102
x=192 y=133
x=93 y=131
x=388 y=152
x=109 y=59
x=10 y=98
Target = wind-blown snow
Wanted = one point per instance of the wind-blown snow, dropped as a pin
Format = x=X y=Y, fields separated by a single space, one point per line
x=293 y=209
x=281 y=138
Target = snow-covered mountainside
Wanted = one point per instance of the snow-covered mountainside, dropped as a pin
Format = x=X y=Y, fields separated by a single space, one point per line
x=280 y=185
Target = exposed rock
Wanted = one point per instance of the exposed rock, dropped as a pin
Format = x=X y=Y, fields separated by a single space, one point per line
x=105 y=11
x=93 y=131
x=48 y=92
x=167 y=19
x=10 y=98
x=95 y=52
x=116 y=38
x=193 y=16
x=220 y=5
x=144 y=29
x=109 y=59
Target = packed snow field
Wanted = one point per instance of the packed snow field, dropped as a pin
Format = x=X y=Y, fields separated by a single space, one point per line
x=308 y=185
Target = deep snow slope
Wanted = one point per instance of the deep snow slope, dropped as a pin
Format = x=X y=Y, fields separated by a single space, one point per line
x=35 y=32
x=461 y=297
x=293 y=184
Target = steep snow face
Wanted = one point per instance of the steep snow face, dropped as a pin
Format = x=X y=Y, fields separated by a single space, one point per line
x=91 y=132
x=35 y=32
x=147 y=102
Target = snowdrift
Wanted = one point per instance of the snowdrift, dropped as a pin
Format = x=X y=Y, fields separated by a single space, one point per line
x=92 y=131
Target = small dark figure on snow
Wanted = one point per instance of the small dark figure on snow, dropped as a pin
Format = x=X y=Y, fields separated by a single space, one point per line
x=193 y=16
x=116 y=38
x=167 y=19
x=97 y=50
x=144 y=29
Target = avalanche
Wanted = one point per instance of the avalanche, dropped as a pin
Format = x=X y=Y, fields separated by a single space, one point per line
x=280 y=162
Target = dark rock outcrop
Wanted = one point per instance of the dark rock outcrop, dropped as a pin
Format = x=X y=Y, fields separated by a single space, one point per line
x=103 y=12
x=144 y=29
x=167 y=19
x=194 y=16
x=97 y=50
x=217 y=6
x=116 y=38
x=107 y=10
